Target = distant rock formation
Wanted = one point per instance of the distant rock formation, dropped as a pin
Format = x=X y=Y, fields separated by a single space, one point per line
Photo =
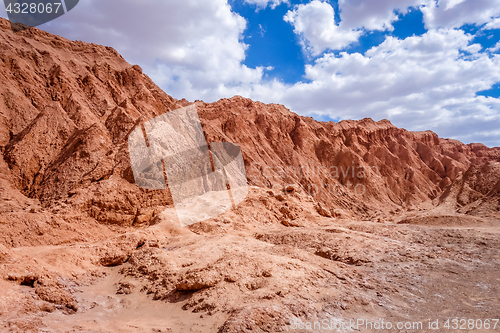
x=67 y=108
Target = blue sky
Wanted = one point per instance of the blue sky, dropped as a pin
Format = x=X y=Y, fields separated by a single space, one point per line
x=272 y=41
x=422 y=64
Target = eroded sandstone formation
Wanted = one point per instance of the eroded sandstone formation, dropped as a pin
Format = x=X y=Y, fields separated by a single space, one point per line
x=66 y=109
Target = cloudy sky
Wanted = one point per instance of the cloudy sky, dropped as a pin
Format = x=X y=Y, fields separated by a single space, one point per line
x=422 y=64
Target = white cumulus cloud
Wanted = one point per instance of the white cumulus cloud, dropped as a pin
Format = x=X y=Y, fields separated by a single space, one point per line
x=315 y=23
x=374 y=15
x=494 y=48
x=191 y=48
x=419 y=83
x=493 y=24
x=456 y=13
x=262 y=4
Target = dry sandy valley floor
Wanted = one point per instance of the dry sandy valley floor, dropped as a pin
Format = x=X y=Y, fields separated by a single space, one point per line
x=229 y=275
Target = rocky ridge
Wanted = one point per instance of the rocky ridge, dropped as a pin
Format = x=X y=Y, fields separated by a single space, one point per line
x=67 y=108
x=341 y=220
